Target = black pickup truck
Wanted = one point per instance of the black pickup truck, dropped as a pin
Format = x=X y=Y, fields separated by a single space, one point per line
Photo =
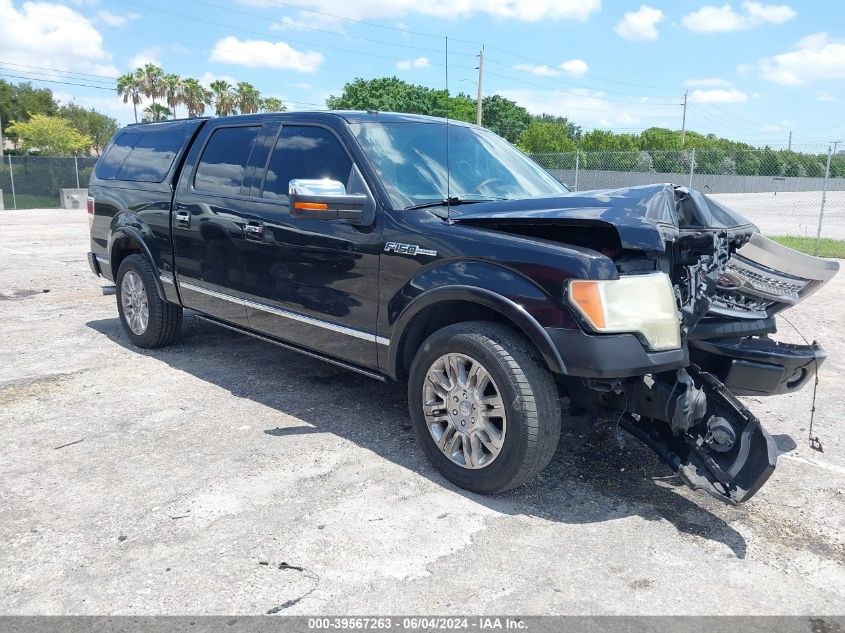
x=414 y=249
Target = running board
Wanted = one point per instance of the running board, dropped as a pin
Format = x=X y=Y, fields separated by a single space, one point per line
x=295 y=348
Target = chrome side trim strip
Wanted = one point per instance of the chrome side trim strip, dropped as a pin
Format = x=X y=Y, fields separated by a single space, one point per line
x=338 y=363
x=295 y=316
x=102 y=260
x=166 y=278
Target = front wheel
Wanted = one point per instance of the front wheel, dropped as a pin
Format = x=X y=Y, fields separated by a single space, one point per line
x=147 y=319
x=484 y=407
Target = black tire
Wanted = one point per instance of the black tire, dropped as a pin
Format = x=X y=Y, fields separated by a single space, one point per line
x=165 y=318
x=531 y=402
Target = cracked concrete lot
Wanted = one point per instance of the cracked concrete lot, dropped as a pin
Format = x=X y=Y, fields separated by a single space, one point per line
x=225 y=476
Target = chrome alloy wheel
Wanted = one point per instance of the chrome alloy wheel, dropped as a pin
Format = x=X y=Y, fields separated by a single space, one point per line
x=464 y=410
x=133 y=298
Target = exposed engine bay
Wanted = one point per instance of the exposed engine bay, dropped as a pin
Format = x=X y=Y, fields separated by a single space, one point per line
x=729 y=283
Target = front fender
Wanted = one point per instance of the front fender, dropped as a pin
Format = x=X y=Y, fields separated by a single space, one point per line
x=507 y=292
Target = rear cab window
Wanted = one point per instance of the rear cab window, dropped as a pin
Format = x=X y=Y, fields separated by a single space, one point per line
x=141 y=156
x=224 y=159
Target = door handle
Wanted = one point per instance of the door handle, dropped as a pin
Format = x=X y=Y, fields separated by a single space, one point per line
x=183 y=218
x=254 y=231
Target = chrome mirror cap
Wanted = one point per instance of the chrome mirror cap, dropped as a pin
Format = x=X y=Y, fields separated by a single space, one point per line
x=315 y=187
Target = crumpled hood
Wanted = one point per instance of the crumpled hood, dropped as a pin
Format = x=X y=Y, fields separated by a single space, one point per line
x=644 y=217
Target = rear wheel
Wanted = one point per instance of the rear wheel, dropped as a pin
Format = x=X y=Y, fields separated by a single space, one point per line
x=147 y=319
x=484 y=406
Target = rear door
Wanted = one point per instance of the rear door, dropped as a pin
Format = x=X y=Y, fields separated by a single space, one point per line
x=313 y=282
x=207 y=220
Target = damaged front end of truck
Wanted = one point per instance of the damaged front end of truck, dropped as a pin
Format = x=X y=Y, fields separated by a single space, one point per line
x=729 y=282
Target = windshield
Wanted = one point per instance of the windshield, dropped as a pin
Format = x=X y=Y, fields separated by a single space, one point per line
x=410 y=158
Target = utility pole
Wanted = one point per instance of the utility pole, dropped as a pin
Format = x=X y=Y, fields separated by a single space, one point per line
x=480 y=81
x=2 y=142
x=684 y=120
x=789 y=147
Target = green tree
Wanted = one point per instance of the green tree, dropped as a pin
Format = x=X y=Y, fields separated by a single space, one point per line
x=504 y=117
x=172 y=89
x=462 y=108
x=19 y=101
x=389 y=94
x=195 y=96
x=157 y=112
x=99 y=127
x=572 y=131
x=130 y=88
x=247 y=98
x=150 y=77
x=50 y=136
x=546 y=136
x=224 y=99
x=272 y=104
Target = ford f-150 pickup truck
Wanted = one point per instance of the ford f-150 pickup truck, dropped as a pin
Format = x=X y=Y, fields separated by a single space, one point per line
x=433 y=252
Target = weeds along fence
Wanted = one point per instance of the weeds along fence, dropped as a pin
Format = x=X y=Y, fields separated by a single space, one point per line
x=795 y=195
x=34 y=182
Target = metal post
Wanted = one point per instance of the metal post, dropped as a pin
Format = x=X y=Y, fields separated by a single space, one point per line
x=76 y=169
x=577 y=157
x=12 y=179
x=691 y=167
x=478 y=101
x=2 y=142
x=824 y=197
x=684 y=120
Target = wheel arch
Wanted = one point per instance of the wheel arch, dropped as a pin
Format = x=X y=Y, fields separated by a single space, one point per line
x=128 y=240
x=445 y=305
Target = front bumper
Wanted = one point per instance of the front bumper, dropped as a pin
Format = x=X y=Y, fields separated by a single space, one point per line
x=611 y=355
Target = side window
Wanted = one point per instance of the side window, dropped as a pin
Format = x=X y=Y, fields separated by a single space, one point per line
x=305 y=152
x=152 y=156
x=224 y=159
x=111 y=162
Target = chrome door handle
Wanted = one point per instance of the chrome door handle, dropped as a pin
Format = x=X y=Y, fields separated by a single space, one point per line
x=183 y=218
x=254 y=231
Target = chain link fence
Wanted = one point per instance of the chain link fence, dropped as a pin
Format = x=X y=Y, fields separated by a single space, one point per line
x=787 y=195
x=34 y=182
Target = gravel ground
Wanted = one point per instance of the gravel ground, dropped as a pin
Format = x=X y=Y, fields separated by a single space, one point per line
x=222 y=475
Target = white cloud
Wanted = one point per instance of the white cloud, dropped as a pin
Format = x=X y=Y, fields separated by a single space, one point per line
x=718 y=96
x=711 y=19
x=825 y=96
x=816 y=57
x=309 y=22
x=264 y=54
x=207 y=78
x=640 y=24
x=523 y=10
x=541 y=70
x=408 y=64
x=575 y=66
x=709 y=81
x=775 y=127
x=151 y=55
x=52 y=36
x=115 y=19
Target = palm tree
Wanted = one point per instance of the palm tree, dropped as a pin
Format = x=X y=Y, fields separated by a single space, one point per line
x=150 y=76
x=157 y=112
x=248 y=98
x=129 y=88
x=195 y=96
x=224 y=101
x=272 y=104
x=172 y=91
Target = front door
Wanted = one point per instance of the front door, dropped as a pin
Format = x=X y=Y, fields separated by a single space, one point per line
x=310 y=281
x=208 y=223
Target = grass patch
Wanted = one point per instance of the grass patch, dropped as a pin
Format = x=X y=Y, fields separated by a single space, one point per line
x=827 y=246
x=26 y=201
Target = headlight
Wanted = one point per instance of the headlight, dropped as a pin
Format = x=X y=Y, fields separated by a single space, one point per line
x=643 y=304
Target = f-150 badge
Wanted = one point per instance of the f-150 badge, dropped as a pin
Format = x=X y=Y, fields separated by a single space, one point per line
x=407 y=249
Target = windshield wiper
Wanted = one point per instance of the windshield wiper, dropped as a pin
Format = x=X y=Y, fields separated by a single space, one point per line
x=453 y=201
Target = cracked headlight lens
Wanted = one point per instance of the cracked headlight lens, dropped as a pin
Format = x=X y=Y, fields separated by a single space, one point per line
x=641 y=304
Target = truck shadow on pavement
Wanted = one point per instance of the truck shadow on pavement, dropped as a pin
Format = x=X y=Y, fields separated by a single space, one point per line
x=589 y=480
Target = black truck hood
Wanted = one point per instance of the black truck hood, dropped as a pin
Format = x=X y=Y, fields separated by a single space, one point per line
x=644 y=217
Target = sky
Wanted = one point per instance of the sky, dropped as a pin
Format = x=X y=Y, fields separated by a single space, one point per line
x=753 y=71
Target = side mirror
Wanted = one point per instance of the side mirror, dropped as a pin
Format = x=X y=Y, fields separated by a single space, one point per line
x=324 y=200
